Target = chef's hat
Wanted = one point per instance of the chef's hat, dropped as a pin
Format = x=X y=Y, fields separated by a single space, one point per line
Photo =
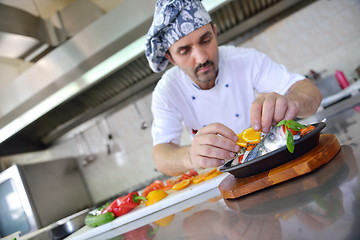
x=173 y=19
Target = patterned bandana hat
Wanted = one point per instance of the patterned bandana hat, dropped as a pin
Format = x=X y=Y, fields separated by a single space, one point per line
x=173 y=19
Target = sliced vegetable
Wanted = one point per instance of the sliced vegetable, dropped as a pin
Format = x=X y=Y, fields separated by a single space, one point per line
x=250 y=147
x=306 y=130
x=193 y=173
x=199 y=178
x=206 y=176
x=157 y=184
x=172 y=182
x=93 y=220
x=155 y=196
x=181 y=185
x=213 y=174
x=240 y=158
x=210 y=172
x=125 y=204
x=167 y=188
x=185 y=176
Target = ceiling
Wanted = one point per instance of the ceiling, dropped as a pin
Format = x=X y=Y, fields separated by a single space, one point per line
x=30 y=29
x=86 y=48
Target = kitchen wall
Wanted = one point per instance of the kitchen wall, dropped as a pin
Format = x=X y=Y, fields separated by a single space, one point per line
x=323 y=36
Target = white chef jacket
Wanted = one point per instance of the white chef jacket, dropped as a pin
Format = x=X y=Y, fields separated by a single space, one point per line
x=177 y=101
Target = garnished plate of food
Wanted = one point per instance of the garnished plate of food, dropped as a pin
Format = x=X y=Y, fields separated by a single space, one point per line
x=261 y=152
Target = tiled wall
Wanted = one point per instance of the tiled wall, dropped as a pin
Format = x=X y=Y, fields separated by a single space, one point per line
x=323 y=36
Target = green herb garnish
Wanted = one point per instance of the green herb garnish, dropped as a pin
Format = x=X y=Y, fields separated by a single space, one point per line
x=289 y=137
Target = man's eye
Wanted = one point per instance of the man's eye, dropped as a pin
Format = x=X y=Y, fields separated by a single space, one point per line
x=206 y=41
x=183 y=51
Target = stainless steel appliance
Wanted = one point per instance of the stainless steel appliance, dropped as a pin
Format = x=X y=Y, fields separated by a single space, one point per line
x=36 y=195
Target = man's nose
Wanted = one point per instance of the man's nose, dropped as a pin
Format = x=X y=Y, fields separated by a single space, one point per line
x=200 y=55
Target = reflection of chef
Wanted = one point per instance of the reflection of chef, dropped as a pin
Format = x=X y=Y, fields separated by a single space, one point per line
x=323 y=211
x=209 y=224
x=329 y=217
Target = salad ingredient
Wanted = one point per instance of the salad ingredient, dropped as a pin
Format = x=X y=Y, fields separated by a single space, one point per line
x=199 y=178
x=212 y=174
x=306 y=130
x=193 y=173
x=157 y=184
x=241 y=141
x=206 y=176
x=93 y=220
x=181 y=185
x=155 y=196
x=240 y=158
x=124 y=204
x=250 y=135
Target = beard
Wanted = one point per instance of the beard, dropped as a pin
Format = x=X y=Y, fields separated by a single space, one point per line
x=206 y=76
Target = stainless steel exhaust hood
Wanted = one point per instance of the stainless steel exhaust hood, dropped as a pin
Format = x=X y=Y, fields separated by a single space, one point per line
x=103 y=67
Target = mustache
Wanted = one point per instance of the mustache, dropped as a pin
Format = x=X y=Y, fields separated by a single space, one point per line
x=205 y=64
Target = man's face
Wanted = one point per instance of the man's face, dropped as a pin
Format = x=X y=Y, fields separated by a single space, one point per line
x=197 y=55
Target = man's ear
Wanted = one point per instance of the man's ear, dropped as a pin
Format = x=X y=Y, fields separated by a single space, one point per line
x=169 y=58
x=214 y=27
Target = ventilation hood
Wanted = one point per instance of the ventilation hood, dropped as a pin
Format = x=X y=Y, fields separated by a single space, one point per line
x=103 y=67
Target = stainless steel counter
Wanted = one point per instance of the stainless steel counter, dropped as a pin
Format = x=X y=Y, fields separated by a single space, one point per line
x=324 y=204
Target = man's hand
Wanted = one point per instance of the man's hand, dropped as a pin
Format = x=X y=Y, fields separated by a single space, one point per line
x=211 y=145
x=271 y=107
x=302 y=100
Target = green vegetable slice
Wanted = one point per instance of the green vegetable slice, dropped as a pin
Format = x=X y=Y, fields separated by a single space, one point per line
x=289 y=137
x=290 y=141
x=97 y=220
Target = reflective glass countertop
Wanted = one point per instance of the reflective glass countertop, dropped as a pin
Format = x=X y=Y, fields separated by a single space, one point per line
x=324 y=204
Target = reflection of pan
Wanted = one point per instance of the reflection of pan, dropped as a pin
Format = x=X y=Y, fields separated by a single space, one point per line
x=277 y=157
x=298 y=192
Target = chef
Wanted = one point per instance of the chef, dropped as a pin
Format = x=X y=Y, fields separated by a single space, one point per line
x=214 y=92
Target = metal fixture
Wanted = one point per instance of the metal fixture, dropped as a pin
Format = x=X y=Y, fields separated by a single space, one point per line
x=144 y=124
x=110 y=142
x=85 y=149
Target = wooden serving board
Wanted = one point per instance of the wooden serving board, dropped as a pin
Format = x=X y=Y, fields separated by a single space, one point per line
x=321 y=154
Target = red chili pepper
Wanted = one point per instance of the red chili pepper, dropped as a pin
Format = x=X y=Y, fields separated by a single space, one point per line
x=124 y=204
